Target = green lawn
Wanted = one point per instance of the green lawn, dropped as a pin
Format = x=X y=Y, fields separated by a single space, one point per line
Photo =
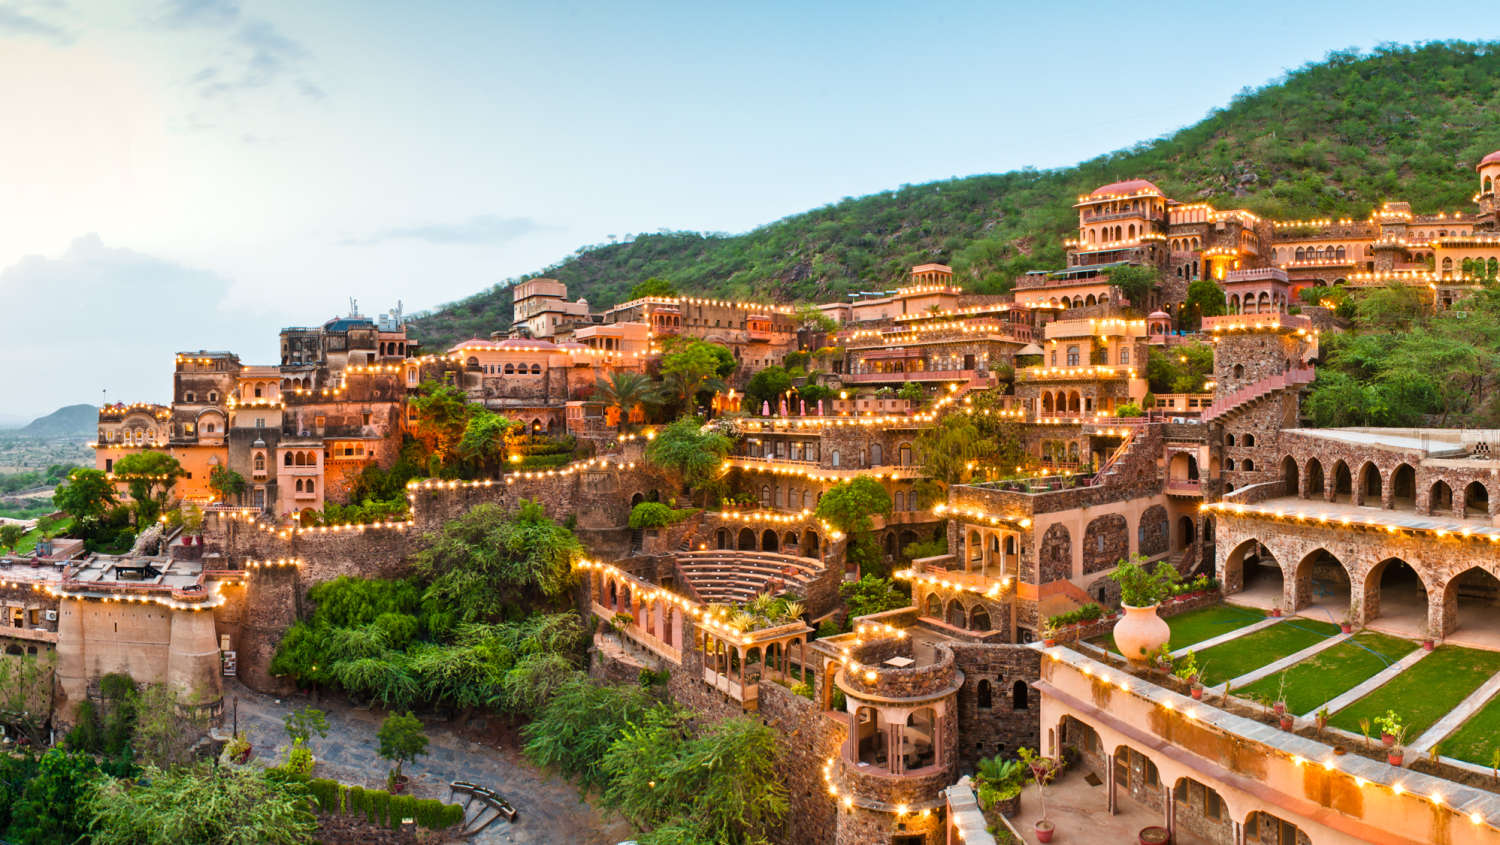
x=1195 y=626
x=1476 y=740
x=1252 y=651
x=1424 y=693
x=1325 y=675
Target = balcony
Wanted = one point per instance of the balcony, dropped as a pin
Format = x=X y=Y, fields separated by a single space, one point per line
x=917 y=375
x=1081 y=373
x=1184 y=487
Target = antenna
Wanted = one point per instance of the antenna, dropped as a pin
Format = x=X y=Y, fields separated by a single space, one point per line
x=353 y=307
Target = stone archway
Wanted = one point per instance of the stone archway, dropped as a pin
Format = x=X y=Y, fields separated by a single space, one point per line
x=1321 y=586
x=747 y=540
x=1397 y=598
x=1253 y=575
x=1471 y=604
x=1314 y=475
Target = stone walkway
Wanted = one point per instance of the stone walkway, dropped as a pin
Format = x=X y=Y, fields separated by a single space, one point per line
x=550 y=809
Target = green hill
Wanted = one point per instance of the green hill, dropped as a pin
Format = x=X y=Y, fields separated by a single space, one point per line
x=1333 y=138
x=67 y=421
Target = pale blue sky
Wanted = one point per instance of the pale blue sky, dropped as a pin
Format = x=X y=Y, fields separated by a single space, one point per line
x=197 y=173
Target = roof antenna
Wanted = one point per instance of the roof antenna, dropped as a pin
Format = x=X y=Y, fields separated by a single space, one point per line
x=353 y=307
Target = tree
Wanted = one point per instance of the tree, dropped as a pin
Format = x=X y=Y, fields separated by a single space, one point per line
x=1181 y=369
x=401 y=741
x=692 y=367
x=149 y=475
x=168 y=726
x=482 y=447
x=443 y=413
x=849 y=505
x=653 y=286
x=573 y=732
x=10 y=535
x=625 y=391
x=301 y=724
x=227 y=483
x=871 y=595
x=691 y=452
x=911 y=392
x=200 y=805
x=86 y=495
x=651 y=515
x=1204 y=299
x=52 y=807
x=1135 y=281
x=488 y=561
x=26 y=694
x=767 y=386
x=810 y=316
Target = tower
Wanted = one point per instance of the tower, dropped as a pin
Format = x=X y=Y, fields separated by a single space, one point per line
x=1489 y=180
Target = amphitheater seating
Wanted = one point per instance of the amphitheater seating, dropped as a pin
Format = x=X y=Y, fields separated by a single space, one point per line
x=731 y=577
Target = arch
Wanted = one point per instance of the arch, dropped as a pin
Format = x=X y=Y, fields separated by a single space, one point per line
x=1248 y=440
x=920 y=737
x=1152 y=532
x=1105 y=543
x=1248 y=465
x=810 y=543
x=1055 y=554
x=1371 y=484
x=747 y=540
x=1239 y=371
x=1046 y=403
x=835 y=457
x=1322 y=582
x=1183 y=466
x=1471 y=601
x=986 y=695
x=1440 y=497
x=1476 y=500
x=1229 y=440
x=1343 y=485
x=1202 y=811
x=1252 y=571
x=1289 y=476
x=1020 y=695
x=955 y=614
x=721 y=539
x=287 y=459
x=1404 y=487
x=899 y=501
x=768 y=542
x=871 y=742
x=877 y=455
x=789 y=542
x=904 y=454
x=934 y=606
x=1262 y=828
x=1187 y=531
x=510 y=368
x=1314 y=474
x=1396 y=594
x=979 y=619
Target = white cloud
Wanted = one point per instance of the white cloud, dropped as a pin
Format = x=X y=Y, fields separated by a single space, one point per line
x=99 y=317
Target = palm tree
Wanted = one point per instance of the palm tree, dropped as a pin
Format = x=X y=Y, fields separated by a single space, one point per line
x=625 y=390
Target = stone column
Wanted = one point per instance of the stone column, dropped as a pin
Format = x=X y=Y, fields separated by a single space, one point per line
x=71 y=678
x=193 y=656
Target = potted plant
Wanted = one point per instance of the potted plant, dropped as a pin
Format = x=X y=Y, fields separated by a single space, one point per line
x=1364 y=729
x=237 y=749
x=1287 y=721
x=1345 y=625
x=1390 y=728
x=1433 y=635
x=1280 y=701
x=401 y=741
x=1396 y=754
x=1276 y=609
x=1154 y=835
x=1039 y=769
x=1142 y=632
x=1049 y=635
x=1321 y=717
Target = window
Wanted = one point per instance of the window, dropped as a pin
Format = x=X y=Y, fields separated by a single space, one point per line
x=260 y=462
x=1072 y=356
x=1124 y=355
x=190 y=395
x=366 y=418
x=213 y=396
x=836 y=457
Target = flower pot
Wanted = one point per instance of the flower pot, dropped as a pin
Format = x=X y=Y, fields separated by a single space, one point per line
x=398 y=784
x=1141 y=632
x=1339 y=751
x=1287 y=720
x=1044 y=830
x=1049 y=642
x=1322 y=723
x=1394 y=756
x=1276 y=612
x=1387 y=740
x=1345 y=627
x=1427 y=645
x=1279 y=707
x=1197 y=693
x=1154 y=835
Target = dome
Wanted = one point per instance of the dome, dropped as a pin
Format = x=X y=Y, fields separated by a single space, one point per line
x=1030 y=349
x=1492 y=158
x=1129 y=186
x=1158 y=315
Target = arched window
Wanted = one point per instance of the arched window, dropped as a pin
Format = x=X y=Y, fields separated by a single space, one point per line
x=836 y=457
x=765 y=496
x=288 y=459
x=1072 y=356
x=213 y=396
x=1018 y=695
x=260 y=462
x=510 y=369
x=986 y=695
x=900 y=502
x=536 y=369
x=877 y=456
x=1239 y=371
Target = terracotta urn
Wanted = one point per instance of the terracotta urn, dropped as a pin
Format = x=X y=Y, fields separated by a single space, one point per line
x=1141 y=632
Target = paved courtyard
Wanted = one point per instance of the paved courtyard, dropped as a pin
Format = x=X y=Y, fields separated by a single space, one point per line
x=551 y=809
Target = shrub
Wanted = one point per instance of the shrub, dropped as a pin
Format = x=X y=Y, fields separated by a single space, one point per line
x=327 y=794
x=651 y=678
x=651 y=515
x=379 y=807
x=802 y=688
x=299 y=760
x=356 y=800
x=1087 y=613
x=1129 y=409
x=402 y=807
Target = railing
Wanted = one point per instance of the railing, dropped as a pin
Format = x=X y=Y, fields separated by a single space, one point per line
x=1251 y=392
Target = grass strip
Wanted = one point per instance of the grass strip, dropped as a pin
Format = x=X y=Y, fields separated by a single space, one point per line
x=1315 y=681
x=1426 y=692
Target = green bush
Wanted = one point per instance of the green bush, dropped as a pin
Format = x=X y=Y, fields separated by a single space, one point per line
x=327 y=794
x=435 y=815
x=380 y=806
x=402 y=807
x=357 y=800
x=1087 y=613
x=651 y=515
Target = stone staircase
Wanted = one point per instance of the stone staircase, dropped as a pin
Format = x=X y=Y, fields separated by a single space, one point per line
x=1252 y=393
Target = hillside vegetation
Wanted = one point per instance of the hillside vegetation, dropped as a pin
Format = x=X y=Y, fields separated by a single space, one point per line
x=1332 y=138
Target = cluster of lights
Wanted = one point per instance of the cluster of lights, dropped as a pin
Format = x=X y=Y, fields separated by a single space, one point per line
x=771 y=466
x=1096 y=198
x=712 y=303
x=649 y=593
x=373 y=369
x=570 y=469
x=1100 y=371
x=191 y=359
x=648 y=434
x=776 y=518
x=278 y=563
x=1346 y=521
x=993 y=592
x=1222 y=252
x=1320 y=262
x=1097 y=246
x=910 y=334
x=846 y=800
x=913 y=290
x=984 y=308
x=978 y=515
x=210 y=601
x=1246 y=323
x=161 y=412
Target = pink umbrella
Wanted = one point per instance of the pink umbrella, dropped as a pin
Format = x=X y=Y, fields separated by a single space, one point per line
x=803 y=411
x=820 y=407
x=783 y=406
x=765 y=408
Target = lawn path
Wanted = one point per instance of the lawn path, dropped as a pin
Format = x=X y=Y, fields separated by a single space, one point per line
x=1226 y=637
